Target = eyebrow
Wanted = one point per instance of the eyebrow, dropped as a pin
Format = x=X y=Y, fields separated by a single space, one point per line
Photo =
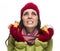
x=34 y=13
x=25 y=13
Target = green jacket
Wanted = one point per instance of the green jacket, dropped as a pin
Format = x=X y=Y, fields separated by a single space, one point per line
x=23 y=46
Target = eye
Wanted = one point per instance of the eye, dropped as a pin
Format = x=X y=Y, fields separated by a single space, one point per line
x=26 y=13
x=33 y=13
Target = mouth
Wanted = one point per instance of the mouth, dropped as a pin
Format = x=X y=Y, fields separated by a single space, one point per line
x=30 y=22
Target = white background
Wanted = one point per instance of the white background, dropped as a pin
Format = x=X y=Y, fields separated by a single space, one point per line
x=49 y=14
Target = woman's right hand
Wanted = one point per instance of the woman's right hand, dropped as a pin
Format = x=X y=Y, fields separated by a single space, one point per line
x=9 y=26
x=15 y=25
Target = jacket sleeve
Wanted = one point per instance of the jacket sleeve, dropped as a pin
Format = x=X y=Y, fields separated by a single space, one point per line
x=50 y=45
x=11 y=43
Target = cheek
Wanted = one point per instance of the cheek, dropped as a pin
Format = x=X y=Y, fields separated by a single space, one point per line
x=24 y=20
x=36 y=20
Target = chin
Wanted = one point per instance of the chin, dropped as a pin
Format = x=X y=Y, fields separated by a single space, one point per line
x=30 y=26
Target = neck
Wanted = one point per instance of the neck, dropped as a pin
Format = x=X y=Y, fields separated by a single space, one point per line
x=29 y=30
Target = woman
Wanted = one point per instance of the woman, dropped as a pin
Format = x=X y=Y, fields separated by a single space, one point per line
x=27 y=35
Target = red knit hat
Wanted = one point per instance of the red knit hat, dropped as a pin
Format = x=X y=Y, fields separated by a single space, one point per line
x=30 y=6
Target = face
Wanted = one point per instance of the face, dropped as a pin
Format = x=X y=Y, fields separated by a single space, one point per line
x=30 y=18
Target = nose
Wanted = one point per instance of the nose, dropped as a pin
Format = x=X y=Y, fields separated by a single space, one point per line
x=29 y=16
